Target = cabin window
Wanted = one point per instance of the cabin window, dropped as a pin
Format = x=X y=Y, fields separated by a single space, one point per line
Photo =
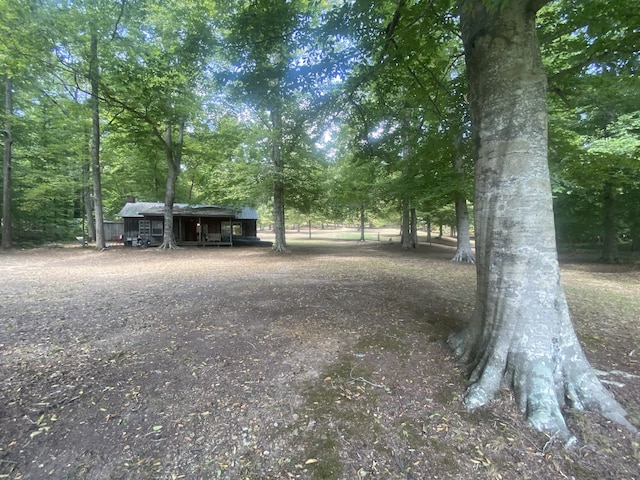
x=156 y=228
x=237 y=229
x=144 y=228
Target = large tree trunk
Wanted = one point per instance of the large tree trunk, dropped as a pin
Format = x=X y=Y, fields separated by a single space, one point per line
x=174 y=158
x=95 y=144
x=610 y=225
x=6 y=166
x=520 y=334
x=280 y=244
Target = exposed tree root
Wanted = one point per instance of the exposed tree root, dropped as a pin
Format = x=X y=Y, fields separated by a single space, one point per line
x=168 y=246
x=543 y=387
x=464 y=256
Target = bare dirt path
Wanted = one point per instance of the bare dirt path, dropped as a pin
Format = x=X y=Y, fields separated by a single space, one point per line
x=327 y=363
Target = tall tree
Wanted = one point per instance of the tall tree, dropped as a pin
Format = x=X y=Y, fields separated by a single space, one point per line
x=153 y=89
x=263 y=33
x=21 y=52
x=94 y=78
x=6 y=166
x=82 y=27
x=520 y=334
x=283 y=66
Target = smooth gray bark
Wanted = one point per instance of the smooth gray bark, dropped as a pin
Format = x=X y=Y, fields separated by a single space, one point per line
x=95 y=145
x=6 y=166
x=464 y=251
x=520 y=334
x=280 y=244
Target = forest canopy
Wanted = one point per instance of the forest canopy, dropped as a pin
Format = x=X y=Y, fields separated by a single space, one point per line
x=335 y=111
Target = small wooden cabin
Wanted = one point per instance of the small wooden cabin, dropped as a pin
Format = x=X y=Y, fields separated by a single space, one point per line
x=192 y=224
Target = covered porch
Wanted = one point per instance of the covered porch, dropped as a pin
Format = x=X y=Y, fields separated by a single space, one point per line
x=197 y=225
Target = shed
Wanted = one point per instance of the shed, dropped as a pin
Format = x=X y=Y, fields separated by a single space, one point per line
x=113 y=231
x=192 y=224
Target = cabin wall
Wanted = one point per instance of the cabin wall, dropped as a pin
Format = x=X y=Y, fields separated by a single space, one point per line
x=113 y=231
x=186 y=230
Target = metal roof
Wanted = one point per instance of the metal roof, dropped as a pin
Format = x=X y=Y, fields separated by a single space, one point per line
x=140 y=209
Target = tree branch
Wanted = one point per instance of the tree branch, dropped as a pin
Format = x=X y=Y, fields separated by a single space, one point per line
x=115 y=28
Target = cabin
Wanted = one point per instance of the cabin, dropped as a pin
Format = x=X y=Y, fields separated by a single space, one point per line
x=193 y=225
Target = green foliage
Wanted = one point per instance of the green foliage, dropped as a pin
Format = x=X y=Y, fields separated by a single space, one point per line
x=371 y=97
x=594 y=109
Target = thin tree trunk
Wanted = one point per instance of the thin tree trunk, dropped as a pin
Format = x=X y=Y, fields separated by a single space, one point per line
x=174 y=158
x=95 y=144
x=405 y=230
x=610 y=225
x=6 y=166
x=464 y=251
x=87 y=199
x=414 y=229
x=520 y=334
x=280 y=244
x=362 y=222
x=406 y=236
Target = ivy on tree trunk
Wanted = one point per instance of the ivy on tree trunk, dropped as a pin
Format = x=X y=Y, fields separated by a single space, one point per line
x=520 y=334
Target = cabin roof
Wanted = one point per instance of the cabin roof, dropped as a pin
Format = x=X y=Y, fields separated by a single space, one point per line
x=142 y=209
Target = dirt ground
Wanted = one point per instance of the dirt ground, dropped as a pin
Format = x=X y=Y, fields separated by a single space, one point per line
x=327 y=362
